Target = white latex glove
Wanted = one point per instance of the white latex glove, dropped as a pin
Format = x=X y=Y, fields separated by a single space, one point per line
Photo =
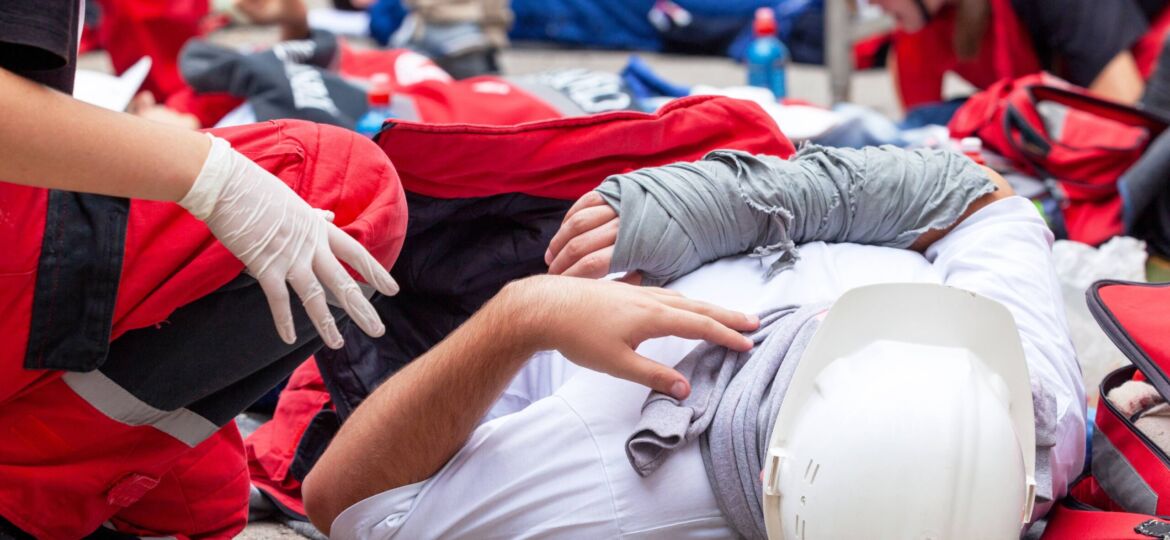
x=280 y=238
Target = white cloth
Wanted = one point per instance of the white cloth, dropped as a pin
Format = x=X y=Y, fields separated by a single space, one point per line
x=557 y=467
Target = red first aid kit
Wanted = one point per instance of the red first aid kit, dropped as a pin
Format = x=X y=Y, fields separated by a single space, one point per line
x=1128 y=493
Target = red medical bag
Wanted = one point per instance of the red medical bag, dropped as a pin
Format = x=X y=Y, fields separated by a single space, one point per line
x=1051 y=129
x=1128 y=493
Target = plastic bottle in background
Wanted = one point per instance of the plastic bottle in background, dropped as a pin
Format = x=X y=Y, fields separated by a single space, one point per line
x=379 y=99
x=972 y=147
x=767 y=57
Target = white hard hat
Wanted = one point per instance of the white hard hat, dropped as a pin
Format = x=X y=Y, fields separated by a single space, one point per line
x=909 y=417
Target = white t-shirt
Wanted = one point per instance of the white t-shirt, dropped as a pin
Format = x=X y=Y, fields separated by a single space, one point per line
x=551 y=460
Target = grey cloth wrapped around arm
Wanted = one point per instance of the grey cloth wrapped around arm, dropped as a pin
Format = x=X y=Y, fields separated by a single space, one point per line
x=677 y=217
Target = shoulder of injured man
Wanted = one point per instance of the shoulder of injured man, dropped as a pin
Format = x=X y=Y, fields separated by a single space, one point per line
x=925 y=433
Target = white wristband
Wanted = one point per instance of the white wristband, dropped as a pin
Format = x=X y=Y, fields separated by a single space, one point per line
x=204 y=193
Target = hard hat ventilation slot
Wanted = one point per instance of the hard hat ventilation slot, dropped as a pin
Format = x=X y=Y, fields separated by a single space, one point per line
x=810 y=472
x=772 y=474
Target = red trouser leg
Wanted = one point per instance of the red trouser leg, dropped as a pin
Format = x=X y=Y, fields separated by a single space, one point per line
x=82 y=448
x=272 y=449
x=203 y=495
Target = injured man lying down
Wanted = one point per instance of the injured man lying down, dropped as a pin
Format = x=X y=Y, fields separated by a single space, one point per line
x=850 y=343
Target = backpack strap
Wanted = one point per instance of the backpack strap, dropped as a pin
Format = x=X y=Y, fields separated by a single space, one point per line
x=1023 y=125
x=1152 y=122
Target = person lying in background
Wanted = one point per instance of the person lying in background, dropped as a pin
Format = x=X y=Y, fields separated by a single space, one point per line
x=1111 y=48
x=499 y=432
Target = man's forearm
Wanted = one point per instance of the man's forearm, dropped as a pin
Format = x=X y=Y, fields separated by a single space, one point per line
x=419 y=418
x=412 y=424
x=51 y=140
x=731 y=202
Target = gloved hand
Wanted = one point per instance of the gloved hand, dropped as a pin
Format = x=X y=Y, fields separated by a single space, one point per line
x=279 y=237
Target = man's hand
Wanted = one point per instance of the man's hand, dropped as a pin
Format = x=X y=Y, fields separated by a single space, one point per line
x=415 y=421
x=598 y=324
x=584 y=244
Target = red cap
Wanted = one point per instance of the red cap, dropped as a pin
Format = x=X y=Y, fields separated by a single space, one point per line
x=765 y=24
x=379 y=97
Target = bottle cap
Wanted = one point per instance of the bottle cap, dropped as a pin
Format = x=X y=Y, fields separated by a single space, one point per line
x=379 y=94
x=971 y=145
x=765 y=23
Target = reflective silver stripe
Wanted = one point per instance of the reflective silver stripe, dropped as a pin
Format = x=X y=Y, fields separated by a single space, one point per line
x=1118 y=478
x=120 y=405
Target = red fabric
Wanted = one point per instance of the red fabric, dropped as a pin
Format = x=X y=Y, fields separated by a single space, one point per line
x=1149 y=47
x=566 y=157
x=1065 y=523
x=925 y=56
x=203 y=495
x=131 y=29
x=868 y=52
x=438 y=98
x=208 y=108
x=1007 y=52
x=64 y=463
x=1143 y=311
x=316 y=160
x=1097 y=141
x=20 y=233
x=90 y=40
x=272 y=448
x=1093 y=222
x=1087 y=490
x=1144 y=459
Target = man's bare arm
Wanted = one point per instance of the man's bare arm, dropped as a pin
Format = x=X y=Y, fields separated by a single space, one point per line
x=420 y=417
x=417 y=419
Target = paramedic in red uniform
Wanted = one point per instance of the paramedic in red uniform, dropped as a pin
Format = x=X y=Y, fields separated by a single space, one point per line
x=133 y=328
x=1110 y=48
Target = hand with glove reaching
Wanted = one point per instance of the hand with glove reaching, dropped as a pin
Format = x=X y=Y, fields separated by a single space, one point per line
x=262 y=221
x=280 y=238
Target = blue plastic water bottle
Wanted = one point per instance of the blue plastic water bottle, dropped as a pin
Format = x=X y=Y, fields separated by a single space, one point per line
x=767 y=57
x=379 y=99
